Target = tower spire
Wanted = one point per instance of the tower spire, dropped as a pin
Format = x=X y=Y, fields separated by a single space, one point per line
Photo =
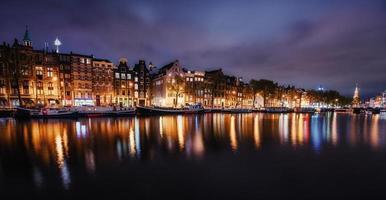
x=356 y=98
x=27 y=39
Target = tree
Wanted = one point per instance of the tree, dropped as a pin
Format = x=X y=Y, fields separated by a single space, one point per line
x=266 y=87
x=177 y=86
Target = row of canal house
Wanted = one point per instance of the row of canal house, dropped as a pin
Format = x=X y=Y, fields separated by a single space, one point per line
x=31 y=77
x=175 y=86
x=50 y=78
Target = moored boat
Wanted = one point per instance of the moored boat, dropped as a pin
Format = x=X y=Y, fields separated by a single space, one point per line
x=93 y=111
x=373 y=111
x=237 y=110
x=44 y=113
x=124 y=112
x=142 y=110
x=357 y=110
x=277 y=110
x=6 y=112
x=306 y=110
x=341 y=110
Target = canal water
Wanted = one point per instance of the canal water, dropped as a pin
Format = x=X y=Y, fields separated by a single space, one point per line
x=217 y=156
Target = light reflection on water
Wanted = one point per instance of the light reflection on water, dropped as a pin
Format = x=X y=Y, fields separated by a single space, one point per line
x=91 y=143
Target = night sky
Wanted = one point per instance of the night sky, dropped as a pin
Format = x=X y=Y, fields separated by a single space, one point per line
x=305 y=43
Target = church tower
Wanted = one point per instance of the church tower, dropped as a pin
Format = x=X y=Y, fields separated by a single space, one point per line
x=356 y=98
x=26 y=39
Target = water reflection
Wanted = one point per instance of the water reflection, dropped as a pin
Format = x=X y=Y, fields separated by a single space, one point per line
x=62 y=147
x=232 y=133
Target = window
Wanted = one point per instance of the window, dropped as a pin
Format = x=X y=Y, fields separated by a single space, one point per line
x=123 y=76
x=39 y=84
x=88 y=61
x=81 y=60
x=39 y=71
x=136 y=79
x=128 y=76
x=49 y=72
x=40 y=91
x=117 y=75
x=136 y=86
x=25 y=71
x=50 y=88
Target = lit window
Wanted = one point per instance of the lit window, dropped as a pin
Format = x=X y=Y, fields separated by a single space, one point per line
x=117 y=75
x=49 y=72
x=81 y=60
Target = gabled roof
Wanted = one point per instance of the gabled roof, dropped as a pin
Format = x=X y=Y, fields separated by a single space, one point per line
x=167 y=67
x=139 y=64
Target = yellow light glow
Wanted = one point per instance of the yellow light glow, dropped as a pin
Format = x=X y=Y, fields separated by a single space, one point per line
x=233 y=136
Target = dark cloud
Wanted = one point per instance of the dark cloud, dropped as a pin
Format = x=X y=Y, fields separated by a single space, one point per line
x=305 y=43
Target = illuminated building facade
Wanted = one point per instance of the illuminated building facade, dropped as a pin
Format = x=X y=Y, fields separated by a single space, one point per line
x=65 y=77
x=125 y=85
x=168 y=86
x=102 y=82
x=143 y=90
x=81 y=70
x=194 y=87
x=247 y=96
x=215 y=91
x=27 y=76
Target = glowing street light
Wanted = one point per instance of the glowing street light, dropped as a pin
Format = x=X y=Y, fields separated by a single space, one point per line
x=57 y=43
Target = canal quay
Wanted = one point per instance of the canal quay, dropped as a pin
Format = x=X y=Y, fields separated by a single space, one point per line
x=195 y=156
